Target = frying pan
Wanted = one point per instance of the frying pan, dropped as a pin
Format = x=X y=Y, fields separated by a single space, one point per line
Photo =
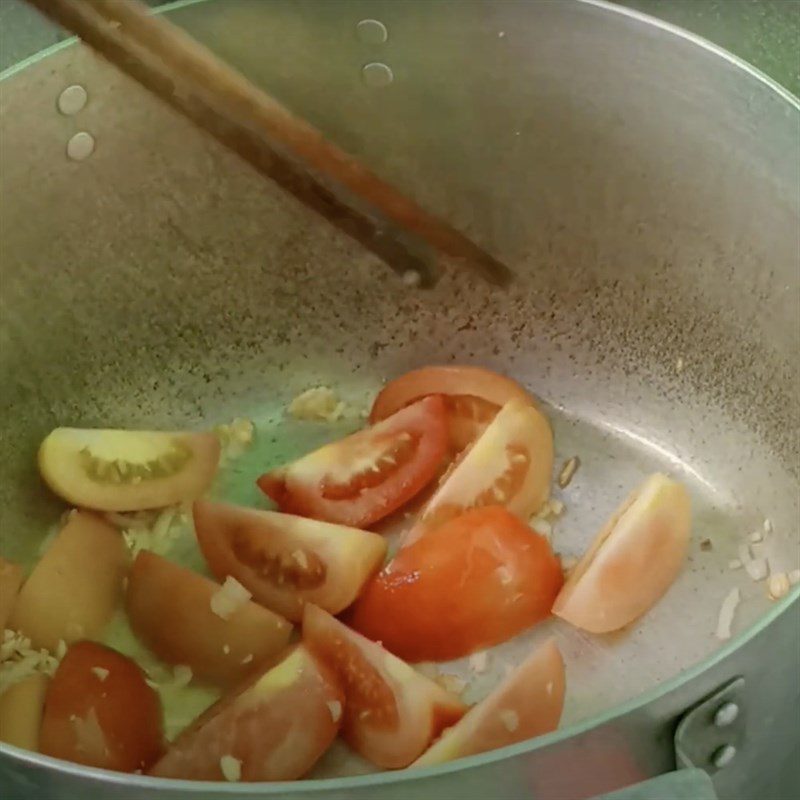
x=642 y=185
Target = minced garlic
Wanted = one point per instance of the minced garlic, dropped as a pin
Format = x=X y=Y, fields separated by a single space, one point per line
x=319 y=404
x=235 y=438
x=479 y=661
x=726 y=614
x=510 y=720
x=568 y=471
x=335 y=707
x=231 y=768
x=155 y=531
x=778 y=586
x=19 y=660
x=229 y=598
x=451 y=683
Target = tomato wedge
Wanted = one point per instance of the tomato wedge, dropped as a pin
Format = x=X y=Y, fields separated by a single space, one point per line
x=510 y=465
x=633 y=560
x=473 y=396
x=114 y=470
x=74 y=590
x=286 y=561
x=392 y=712
x=21 y=706
x=170 y=610
x=478 y=580
x=99 y=711
x=527 y=703
x=274 y=728
x=366 y=476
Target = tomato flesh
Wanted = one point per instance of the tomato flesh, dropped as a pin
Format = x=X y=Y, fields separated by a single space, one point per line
x=365 y=477
x=21 y=707
x=116 y=470
x=527 y=703
x=476 y=581
x=100 y=712
x=392 y=712
x=510 y=464
x=276 y=726
x=473 y=396
x=285 y=561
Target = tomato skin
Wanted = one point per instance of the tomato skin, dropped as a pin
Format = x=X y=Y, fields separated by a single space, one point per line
x=285 y=561
x=21 y=707
x=633 y=560
x=277 y=725
x=473 y=395
x=76 y=586
x=368 y=475
x=526 y=704
x=474 y=582
x=392 y=713
x=169 y=609
x=100 y=712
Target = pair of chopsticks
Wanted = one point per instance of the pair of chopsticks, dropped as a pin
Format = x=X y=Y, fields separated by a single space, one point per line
x=287 y=149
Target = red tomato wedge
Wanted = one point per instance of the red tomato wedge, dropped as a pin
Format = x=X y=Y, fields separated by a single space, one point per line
x=274 y=728
x=99 y=711
x=478 y=580
x=366 y=476
x=392 y=712
x=472 y=396
x=527 y=703
x=286 y=561
x=633 y=560
x=170 y=610
x=510 y=465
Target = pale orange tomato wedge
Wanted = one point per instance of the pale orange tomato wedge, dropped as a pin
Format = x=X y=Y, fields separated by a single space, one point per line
x=75 y=588
x=633 y=560
x=170 y=610
x=527 y=703
x=21 y=706
x=115 y=470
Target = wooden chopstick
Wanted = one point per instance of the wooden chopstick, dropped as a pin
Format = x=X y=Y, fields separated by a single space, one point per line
x=290 y=151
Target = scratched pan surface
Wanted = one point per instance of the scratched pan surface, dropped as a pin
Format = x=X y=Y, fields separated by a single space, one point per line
x=651 y=223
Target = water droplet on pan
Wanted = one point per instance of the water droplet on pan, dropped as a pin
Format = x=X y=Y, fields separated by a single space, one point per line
x=80 y=146
x=72 y=100
x=371 y=31
x=376 y=74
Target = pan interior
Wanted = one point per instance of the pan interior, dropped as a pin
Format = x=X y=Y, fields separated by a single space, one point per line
x=160 y=283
